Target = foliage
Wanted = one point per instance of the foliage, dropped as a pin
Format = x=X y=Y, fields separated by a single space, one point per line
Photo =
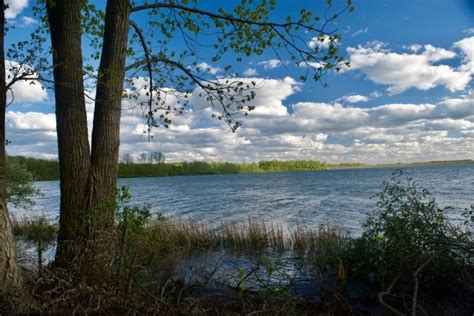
x=35 y=229
x=234 y=33
x=41 y=169
x=408 y=241
x=407 y=229
x=20 y=188
x=131 y=219
x=155 y=167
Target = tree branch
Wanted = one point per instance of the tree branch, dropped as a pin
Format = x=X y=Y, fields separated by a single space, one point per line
x=139 y=32
x=381 y=295
x=229 y=17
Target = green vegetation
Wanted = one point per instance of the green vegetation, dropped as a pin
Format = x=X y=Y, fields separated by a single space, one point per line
x=201 y=168
x=20 y=189
x=40 y=168
x=49 y=169
x=38 y=231
x=44 y=170
x=406 y=250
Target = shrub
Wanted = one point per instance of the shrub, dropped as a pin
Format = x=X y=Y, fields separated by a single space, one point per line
x=37 y=230
x=408 y=240
x=20 y=188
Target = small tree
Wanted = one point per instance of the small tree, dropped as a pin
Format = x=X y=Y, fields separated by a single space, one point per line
x=127 y=159
x=20 y=187
x=157 y=157
x=143 y=157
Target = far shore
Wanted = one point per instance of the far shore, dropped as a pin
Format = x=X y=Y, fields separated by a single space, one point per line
x=46 y=170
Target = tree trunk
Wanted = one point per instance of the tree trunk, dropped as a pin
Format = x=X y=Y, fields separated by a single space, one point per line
x=88 y=181
x=106 y=130
x=10 y=278
x=71 y=122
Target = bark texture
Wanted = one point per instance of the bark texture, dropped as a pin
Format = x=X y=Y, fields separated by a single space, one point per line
x=10 y=278
x=71 y=120
x=106 y=130
x=88 y=180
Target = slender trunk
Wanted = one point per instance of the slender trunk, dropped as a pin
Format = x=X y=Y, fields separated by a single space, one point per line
x=40 y=257
x=10 y=278
x=106 y=130
x=71 y=122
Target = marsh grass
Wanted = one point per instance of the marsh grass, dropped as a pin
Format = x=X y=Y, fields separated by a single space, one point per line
x=253 y=235
x=39 y=231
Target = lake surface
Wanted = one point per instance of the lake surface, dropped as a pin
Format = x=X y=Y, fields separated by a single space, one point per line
x=341 y=197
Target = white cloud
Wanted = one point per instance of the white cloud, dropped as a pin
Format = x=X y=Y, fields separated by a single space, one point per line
x=402 y=71
x=23 y=91
x=354 y=98
x=434 y=54
x=376 y=94
x=466 y=45
x=469 y=30
x=15 y=7
x=27 y=21
x=271 y=63
x=360 y=31
x=322 y=41
x=250 y=72
x=276 y=130
x=210 y=69
x=31 y=121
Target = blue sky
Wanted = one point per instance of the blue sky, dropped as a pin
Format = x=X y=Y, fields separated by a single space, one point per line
x=407 y=97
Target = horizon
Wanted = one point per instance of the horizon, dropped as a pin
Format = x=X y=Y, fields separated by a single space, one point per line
x=362 y=163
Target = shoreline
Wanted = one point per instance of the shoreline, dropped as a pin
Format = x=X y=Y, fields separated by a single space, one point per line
x=48 y=170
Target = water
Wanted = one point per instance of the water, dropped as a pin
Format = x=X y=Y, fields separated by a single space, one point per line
x=340 y=197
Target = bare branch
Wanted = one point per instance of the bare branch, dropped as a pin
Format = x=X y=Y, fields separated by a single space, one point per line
x=381 y=296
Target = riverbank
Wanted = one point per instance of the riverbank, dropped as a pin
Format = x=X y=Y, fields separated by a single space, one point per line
x=45 y=170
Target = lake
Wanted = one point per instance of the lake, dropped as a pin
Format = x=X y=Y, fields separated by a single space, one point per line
x=341 y=197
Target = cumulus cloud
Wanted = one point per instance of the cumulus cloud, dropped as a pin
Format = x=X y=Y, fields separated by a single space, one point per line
x=31 y=121
x=270 y=64
x=322 y=41
x=23 y=91
x=354 y=98
x=27 y=21
x=278 y=130
x=467 y=47
x=250 y=72
x=210 y=69
x=417 y=69
x=15 y=7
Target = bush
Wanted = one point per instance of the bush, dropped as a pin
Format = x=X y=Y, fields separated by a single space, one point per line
x=408 y=240
x=20 y=188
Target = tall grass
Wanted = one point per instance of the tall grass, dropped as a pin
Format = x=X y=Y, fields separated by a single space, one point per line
x=254 y=235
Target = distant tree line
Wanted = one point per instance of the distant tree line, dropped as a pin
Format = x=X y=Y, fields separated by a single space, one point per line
x=153 y=165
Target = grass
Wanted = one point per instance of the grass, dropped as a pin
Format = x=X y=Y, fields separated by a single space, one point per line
x=39 y=231
x=253 y=235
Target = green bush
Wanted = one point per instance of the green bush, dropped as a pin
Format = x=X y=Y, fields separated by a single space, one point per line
x=20 y=188
x=408 y=242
